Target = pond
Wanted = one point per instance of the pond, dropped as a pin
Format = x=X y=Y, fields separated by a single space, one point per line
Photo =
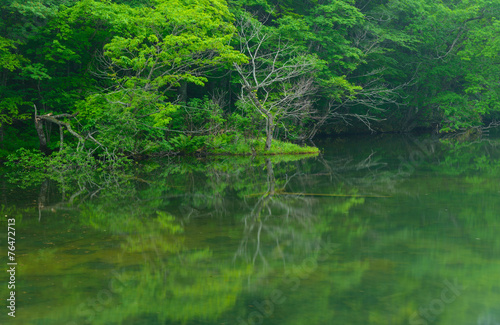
x=375 y=230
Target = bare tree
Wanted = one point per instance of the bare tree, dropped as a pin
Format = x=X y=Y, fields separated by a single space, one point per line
x=276 y=81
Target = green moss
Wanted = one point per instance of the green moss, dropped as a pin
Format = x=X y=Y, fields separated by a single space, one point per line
x=256 y=147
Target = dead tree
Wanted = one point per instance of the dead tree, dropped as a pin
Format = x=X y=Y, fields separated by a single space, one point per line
x=42 y=120
x=276 y=80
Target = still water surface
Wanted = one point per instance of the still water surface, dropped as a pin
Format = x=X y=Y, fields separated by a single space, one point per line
x=376 y=230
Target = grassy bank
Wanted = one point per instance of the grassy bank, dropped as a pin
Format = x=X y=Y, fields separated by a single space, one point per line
x=256 y=147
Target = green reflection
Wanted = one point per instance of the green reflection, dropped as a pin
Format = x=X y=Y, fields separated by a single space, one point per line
x=378 y=238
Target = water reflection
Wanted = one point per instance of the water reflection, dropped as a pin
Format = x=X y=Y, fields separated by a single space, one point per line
x=350 y=237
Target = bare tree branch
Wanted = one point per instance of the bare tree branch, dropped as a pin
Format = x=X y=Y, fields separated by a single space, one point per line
x=275 y=80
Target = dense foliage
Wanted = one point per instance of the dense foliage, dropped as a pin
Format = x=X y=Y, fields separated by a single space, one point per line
x=134 y=78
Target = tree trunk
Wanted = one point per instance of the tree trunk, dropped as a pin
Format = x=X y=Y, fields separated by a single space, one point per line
x=183 y=92
x=269 y=118
x=61 y=138
x=41 y=135
x=269 y=131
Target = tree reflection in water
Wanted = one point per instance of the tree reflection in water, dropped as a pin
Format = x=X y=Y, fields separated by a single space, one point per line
x=202 y=240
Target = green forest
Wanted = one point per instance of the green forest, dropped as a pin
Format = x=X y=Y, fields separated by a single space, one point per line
x=109 y=81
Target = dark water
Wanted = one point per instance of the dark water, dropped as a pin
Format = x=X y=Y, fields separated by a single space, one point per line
x=376 y=230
